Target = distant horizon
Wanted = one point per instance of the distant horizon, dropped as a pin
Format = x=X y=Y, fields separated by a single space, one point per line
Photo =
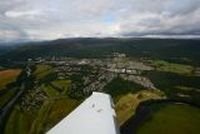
x=109 y=37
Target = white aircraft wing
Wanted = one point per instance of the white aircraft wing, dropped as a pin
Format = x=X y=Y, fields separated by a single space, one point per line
x=96 y=115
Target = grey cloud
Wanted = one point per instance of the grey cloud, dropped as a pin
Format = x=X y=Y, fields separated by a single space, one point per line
x=51 y=19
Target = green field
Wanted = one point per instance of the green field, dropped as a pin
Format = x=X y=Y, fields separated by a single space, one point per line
x=51 y=92
x=7 y=96
x=54 y=107
x=42 y=71
x=119 y=87
x=61 y=85
x=50 y=113
x=7 y=77
x=127 y=104
x=55 y=88
x=165 y=66
x=172 y=119
x=19 y=122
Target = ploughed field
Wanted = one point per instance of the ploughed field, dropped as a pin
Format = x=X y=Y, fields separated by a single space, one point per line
x=8 y=76
x=171 y=119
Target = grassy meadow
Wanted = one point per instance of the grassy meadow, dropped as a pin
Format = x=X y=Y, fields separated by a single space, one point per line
x=172 y=119
x=165 y=66
x=127 y=104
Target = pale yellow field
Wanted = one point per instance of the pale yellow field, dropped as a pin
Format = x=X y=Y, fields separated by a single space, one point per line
x=127 y=104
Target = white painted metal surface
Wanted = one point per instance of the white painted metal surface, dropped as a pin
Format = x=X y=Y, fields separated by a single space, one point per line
x=94 y=116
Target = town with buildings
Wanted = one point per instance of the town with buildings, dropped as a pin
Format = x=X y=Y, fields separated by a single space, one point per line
x=99 y=72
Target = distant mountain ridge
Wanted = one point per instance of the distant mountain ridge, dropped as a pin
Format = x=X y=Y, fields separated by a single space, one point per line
x=170 y=49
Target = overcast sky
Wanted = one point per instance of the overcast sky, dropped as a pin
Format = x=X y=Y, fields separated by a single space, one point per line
x=52 y=19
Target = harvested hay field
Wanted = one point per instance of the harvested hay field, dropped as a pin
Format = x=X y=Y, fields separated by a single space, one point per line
x=8 y=76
